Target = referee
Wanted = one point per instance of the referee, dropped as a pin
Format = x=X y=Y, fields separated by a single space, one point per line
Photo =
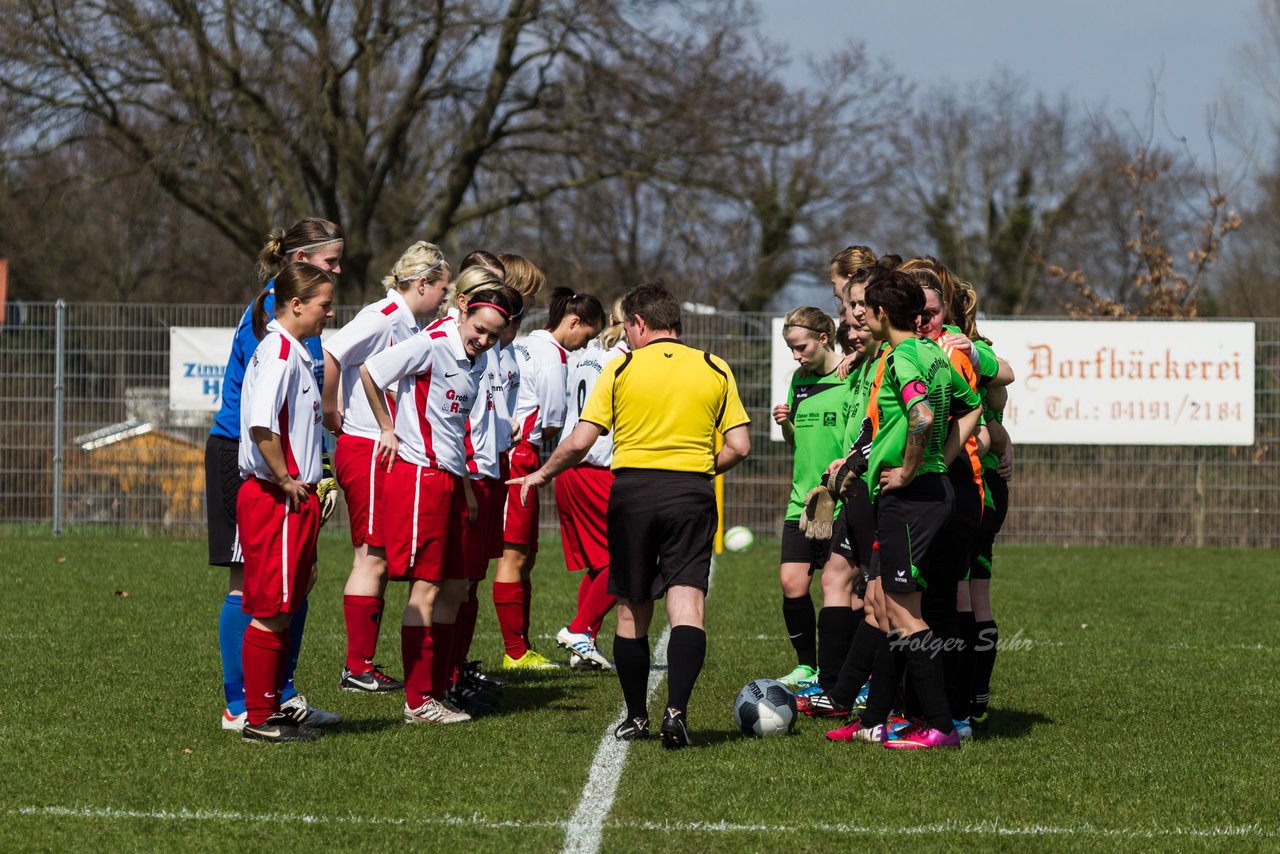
x=664 y=403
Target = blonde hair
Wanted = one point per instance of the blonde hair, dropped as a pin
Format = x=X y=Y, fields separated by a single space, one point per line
x=612 y=333
x=422 y=260
x=472 y=279
x=523 y=275
x=852 y=258
x=306 y=234
x=813 y=319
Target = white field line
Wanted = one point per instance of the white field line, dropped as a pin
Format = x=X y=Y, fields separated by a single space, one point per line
x=586 y=828
x=977 y=829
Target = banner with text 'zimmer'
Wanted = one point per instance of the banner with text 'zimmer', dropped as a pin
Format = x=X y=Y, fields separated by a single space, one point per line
x=1128 y=382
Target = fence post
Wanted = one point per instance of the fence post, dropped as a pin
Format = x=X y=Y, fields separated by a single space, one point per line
x=60 y=345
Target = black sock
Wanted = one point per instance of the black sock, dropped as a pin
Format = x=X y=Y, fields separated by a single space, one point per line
x=858 y=663
x=968 y=634
x=984 y=661
x=886 y=676
x=685 y=653
x=631 y=661
x=802 y=628
x=924 y=670
x=837 y=628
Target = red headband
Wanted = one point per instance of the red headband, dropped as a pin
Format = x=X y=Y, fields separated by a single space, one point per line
x=499 y=309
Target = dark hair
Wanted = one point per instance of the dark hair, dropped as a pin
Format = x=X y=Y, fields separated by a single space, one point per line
x=297 y=279
x=585 y=307
x=306 y=234
x=655 y=304
x=844 y=337
x=483 y=258
x=898 y=294
x=507 y=301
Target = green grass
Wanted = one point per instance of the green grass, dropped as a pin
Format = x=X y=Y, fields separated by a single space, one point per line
x=1138 y=715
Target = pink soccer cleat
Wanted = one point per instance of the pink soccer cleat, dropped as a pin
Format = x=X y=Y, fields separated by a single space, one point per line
x=923 y=738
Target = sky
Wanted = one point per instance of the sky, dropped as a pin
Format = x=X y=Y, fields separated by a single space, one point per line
x=1103 y=54
x=1098 y=52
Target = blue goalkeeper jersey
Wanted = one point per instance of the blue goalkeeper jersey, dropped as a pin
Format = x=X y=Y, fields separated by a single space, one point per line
x=227 y=423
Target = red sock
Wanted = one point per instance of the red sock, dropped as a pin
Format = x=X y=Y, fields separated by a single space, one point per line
x=442 y=638
x=262 y=657
x=363 y=616
x=415 y=645
x=598 y=604
x=526 y=590
x=466 y=630
x=508 y=602
x=584 y=587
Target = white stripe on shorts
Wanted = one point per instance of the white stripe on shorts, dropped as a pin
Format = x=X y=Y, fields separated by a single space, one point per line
x=373 y=468
x=417 y=490
x=284 y=554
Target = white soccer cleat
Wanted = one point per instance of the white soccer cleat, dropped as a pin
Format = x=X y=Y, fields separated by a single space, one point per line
x=233 y=723
x=434 y=712
x=583 y=647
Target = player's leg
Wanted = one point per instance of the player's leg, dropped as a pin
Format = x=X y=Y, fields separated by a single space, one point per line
x=795 y=575
x=582 y=496
x=633 y=565
x=986 y=634
x=512 y=584
x=222 y=485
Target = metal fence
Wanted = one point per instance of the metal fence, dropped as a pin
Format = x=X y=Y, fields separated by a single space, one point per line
x=119 y=457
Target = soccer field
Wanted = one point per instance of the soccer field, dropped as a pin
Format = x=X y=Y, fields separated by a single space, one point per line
x=1133 y=708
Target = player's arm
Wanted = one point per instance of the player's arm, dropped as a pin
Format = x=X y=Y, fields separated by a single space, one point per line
x=736 y=448
x=919 y=423
x=329 y=394
x=961 y=429
x=567 y=454
x=782 y=417
x=1004 y=375
x=388 y=444
x=999 y=437
x=269 y=446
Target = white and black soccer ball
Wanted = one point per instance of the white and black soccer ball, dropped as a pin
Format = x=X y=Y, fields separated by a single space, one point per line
x=764 y=707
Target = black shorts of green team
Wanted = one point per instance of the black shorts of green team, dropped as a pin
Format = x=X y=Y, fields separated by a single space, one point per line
x=992 y=521
x=797 y=548
x=661 y=527
x=909 y=522
x=221 y=488
x=857 y=523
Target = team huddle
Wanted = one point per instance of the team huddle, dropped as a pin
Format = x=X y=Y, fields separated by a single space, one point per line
x=899 y=489
x=435 y=406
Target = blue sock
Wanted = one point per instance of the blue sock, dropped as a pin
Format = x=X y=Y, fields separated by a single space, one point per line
x=295 y=644
x=231 y=625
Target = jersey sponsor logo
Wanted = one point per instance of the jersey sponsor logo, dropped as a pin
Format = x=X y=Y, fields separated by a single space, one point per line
x=828 y=419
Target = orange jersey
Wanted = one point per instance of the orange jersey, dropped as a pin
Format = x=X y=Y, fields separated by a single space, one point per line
x=962 y=364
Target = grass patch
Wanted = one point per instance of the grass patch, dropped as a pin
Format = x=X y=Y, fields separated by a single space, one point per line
x=1114 y=725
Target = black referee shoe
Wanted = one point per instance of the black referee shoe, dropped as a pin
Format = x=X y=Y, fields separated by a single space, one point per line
x=280 y=728
x=675 y=734
x=632 y=729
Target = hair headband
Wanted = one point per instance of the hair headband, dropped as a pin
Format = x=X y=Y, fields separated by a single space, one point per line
x=802 y=326
x=311 y=247
x=472 y=306
x=422 y=272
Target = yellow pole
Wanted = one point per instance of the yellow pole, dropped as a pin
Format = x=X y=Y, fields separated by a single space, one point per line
x=719 y=543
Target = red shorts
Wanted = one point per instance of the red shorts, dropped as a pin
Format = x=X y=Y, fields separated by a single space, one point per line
x=424 y=516
x=582 y=500
x=521 y=524
x=362 y=481
x=279 y=548
x=498 y=507
x=476 y=546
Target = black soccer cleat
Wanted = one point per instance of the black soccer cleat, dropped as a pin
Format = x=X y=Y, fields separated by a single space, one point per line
x=466 y=698
x=371 y=682
x=479 y=679
x=675 y=734
x=632 y=729
x=280 y=728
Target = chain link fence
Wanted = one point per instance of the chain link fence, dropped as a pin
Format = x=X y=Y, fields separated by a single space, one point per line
x=120 y=458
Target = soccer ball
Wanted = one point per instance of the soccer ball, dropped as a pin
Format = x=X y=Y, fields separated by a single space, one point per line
x=738 y=539
x=764 y=707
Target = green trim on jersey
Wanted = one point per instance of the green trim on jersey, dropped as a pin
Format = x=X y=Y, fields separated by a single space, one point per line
x=922 y=360
x=819 y=407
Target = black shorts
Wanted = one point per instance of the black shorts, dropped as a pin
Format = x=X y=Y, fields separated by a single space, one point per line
x=992 y=522
x=221 y=486
x=908 y=521
x=855 y=530
x=797 y=548
x=661 y=527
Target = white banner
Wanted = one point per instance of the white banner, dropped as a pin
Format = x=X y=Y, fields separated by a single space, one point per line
x=197 y=360
x=1111 y=383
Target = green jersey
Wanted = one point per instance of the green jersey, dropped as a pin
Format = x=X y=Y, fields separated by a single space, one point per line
x=819 y=407
x=987 y=370
x=859 y=394
x=914 y=369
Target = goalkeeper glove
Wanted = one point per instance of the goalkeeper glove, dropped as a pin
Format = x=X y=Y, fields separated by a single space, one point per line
x=327 y=489
x=818 y=514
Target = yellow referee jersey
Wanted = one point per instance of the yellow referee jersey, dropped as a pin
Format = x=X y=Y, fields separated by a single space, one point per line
x=664 y=404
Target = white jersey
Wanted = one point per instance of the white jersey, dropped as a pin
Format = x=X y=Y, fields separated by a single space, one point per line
x=506 y=392
x=280 y=393
x=544 y=374
x=377 y=326
x=582 y=380
x=438 y=385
